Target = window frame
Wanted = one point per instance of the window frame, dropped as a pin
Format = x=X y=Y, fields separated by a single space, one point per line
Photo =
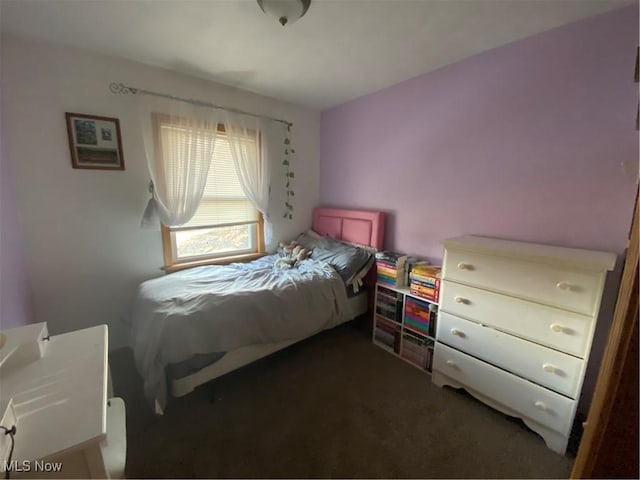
x=173 y=264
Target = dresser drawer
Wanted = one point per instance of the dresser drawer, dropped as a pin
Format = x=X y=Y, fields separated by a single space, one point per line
x=544 y=366
x=565 y=331
x=564 y=287
x=527 y=399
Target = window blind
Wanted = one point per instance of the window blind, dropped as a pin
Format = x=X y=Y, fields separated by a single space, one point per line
x=223 y=201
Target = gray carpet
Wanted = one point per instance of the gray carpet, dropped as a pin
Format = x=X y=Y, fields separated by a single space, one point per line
x=332 y=406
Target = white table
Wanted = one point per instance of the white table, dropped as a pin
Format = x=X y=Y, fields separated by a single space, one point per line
x=66 y=426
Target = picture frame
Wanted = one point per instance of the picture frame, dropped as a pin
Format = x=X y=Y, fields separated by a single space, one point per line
x=95 y=142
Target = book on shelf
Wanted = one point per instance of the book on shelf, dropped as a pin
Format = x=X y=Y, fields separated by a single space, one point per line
x=420 y=349
x=422 y=328
x=419 y=326
x=383 y=297
x=417 y=315
x=389 y=272
x=387 y=302
x=393 y=258
x=386 y=311
x=425 y=282
x=429 y=294
x=415 y=338
x=382 y=333
x=385 y=329
x=384 y=343
x=386 y=273
x=417 y=349
x=411 y=261
x=426 y=270
x=421 y=289
x=391 y=268
x=429 y=282
x=433 y=321
x=386 y=280
x=387 y=264
x=387 y=292
x=433 y=297
x=384 y=321
x=393 y=313
x=419 y=360
x=417 y=306
x=396 y=281
x=429 y=362
x=408 y=349
x=416 y=356
x=420 y=318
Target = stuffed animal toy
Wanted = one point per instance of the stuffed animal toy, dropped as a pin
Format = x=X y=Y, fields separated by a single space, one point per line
x=292 y=255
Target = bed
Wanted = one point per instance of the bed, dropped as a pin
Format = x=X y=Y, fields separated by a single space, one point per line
x=193 y=326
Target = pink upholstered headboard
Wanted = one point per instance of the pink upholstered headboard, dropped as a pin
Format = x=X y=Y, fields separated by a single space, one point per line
x=365 y=227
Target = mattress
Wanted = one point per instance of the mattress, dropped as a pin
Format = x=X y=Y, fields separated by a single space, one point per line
x=358 y=304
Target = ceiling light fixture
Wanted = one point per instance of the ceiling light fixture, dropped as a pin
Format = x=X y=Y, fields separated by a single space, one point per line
x=286 y=11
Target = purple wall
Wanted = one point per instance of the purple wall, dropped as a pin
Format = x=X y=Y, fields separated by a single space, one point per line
x=523 y=142
x=15 y=307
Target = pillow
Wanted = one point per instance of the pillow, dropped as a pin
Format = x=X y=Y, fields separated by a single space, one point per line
x=346 y=259
x=368 y=248
x=312 y=233
x=308 y=239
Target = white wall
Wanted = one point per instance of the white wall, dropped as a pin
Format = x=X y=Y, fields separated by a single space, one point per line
x=85 y=252
x=15 y=299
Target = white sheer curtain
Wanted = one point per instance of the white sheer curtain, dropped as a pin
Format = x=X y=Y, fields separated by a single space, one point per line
x=179 y=140
x=247 y=138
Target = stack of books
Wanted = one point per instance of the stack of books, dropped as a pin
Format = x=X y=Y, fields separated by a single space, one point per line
x=389 y=304
x=409 y=266
x=417 y=315
x=415 y=350
x=391 y=268
x=424 y=281
x=387 y=334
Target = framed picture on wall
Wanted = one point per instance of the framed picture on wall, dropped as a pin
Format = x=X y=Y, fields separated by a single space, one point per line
x=95 y=142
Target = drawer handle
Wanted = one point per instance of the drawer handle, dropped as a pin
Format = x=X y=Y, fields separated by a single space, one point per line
x=451 y=363
x=547 y=367
x=455 y=331
x=540 y=405
x=462 y=300
x=563 y=285
x=556 y=327
x=465 y=266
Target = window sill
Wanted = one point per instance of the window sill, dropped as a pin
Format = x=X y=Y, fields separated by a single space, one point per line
x=212 y=261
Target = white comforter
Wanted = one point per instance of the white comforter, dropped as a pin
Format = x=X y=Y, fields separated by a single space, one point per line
x=221 y=308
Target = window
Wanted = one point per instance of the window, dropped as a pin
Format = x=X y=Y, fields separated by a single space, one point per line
x=226 y=224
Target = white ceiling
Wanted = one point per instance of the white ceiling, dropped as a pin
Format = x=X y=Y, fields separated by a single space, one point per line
x=340 y=50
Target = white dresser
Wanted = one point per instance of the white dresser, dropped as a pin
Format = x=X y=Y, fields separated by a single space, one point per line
x=516 y=325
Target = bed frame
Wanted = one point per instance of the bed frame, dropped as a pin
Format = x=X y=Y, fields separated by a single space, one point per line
x=362 y=227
